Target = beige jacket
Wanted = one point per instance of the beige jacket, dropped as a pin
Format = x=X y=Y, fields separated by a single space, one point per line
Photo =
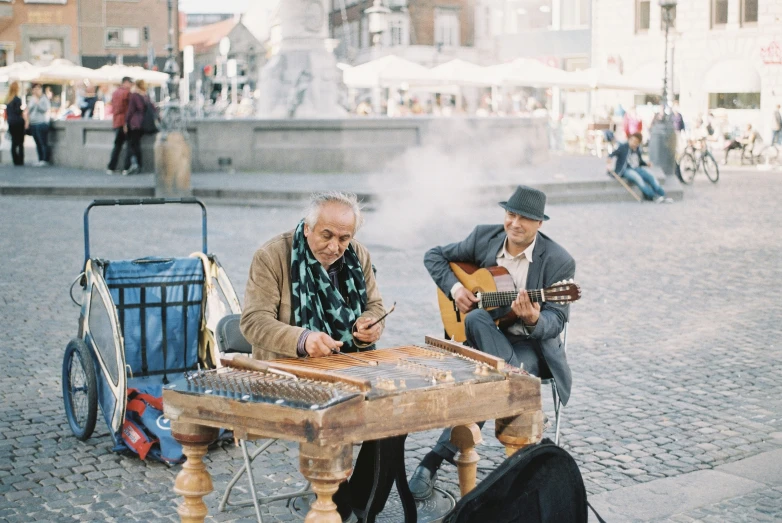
x=267 y=317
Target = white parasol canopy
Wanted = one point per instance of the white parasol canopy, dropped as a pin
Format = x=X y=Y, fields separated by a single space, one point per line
x=386 y=71
x=527 y=72
x=61 y=70
x=115 y=73
x=460 y=72
x=19 y=71
x=593 y=79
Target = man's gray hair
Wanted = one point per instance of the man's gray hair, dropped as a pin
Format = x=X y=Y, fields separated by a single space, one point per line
x=318 y=200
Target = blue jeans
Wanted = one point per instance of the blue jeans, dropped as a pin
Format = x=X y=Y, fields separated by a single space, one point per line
x=776 y=137
x=40 y=132
x=645 y=181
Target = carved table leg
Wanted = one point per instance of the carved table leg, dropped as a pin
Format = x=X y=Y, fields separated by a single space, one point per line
x=193 y=481
x=465 y=437
x=519 y=431
x=325 y=467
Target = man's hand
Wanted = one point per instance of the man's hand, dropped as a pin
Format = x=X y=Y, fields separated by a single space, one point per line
x=464 y=299
x=526 y=310
x=364 y=334
x=320 y=344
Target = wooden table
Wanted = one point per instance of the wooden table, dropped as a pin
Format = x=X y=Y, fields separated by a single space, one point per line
x=480 y=387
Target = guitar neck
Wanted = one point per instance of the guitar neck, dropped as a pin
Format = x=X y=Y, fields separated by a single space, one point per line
x=504 y=298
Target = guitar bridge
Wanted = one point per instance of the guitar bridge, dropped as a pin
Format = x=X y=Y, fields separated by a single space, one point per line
x=480 y=300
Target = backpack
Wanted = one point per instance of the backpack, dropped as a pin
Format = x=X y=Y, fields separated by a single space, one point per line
x=146 y=431
x=540 y=483
x=149 y=123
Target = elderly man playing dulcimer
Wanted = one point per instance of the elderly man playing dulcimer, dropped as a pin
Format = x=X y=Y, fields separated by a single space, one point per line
x=312 y=293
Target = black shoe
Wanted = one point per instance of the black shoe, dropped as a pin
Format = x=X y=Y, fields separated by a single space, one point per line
x=422 y=483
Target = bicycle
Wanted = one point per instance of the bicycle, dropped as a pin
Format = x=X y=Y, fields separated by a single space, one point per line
x=693 y=159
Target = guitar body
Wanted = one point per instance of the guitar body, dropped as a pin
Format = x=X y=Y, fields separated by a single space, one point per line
x=490 y=279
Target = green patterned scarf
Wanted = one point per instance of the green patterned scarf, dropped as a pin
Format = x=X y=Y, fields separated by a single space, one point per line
x=317 y=304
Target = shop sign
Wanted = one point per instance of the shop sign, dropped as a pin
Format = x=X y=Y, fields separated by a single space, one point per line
x=772 y=53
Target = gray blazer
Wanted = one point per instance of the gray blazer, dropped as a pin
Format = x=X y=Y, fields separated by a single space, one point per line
x=550 y=264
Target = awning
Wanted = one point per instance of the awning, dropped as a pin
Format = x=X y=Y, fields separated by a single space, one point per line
x=387 y=71
x=732 y=76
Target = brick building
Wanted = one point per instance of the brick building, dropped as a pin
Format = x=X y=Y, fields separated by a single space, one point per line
x=425 y=31
x=133 y=31
x=38 y=32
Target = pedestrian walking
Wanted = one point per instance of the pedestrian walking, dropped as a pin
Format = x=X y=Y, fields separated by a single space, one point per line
x=119 y=105
x=15 y=117
x=776 y=126
x=38 y=115
x=140 y=109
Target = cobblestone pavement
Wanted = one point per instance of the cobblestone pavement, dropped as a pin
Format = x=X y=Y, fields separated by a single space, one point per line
x=675 y=347
x=761 y=505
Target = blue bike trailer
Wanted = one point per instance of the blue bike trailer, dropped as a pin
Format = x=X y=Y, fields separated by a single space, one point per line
x=140 y=323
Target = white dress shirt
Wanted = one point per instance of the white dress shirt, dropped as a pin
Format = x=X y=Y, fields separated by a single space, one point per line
x=518 y=268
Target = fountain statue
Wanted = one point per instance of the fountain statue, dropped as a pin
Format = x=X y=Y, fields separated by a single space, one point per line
x=302 y=79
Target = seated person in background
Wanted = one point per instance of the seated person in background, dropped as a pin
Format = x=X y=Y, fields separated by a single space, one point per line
x=308 y=288
x=745 y=142
x=534 y=261
x=630 y=166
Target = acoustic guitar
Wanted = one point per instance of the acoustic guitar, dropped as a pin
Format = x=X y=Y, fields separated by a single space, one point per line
x=494 y=287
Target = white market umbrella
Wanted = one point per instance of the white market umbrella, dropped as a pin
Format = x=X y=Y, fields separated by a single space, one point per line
x=115 y=73
x=594 y=78
x=19 y=71
x=526 y=72
x=386 y=71
x=460 y=72
x=61 y=70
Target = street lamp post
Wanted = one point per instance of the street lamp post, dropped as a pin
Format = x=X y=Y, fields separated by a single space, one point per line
x=667 y=11
x=662 y=142
x=377 y=16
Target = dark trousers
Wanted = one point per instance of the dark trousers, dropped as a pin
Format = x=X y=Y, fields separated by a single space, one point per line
x=41 y=136
x=17 y=142
x=119 y=141
x=134 y=147
x=483 y=334
x=380 y=464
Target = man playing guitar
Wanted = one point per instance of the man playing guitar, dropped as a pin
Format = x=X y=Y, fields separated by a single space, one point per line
x=534 y=261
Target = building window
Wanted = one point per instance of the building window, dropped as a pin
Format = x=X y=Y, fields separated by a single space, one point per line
x=734 y=100
x=398 y=30
x=44 y=50
x=575 y=14
x=749 y=12
x=528 y=15
x=446 y=27
x=364 y=33
x=642 y=11
x=672 y=15
x=719 y=13
x=354 y=34
x=122 y=37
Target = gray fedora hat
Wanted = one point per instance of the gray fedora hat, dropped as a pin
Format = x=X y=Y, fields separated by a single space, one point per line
x=527 y=202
